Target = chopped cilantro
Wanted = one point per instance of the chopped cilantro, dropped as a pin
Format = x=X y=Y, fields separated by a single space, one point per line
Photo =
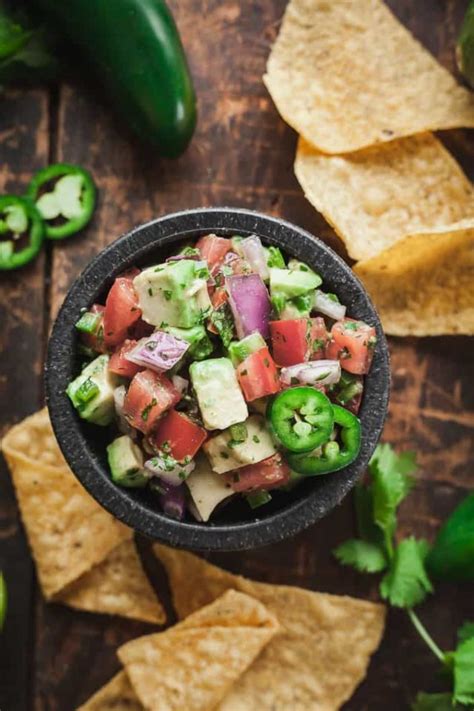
x=256 y=439
x=168 y=294
x=150 y=291
x=146 y=410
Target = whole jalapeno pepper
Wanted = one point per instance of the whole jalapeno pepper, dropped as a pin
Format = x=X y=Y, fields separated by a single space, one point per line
x=301 y=418
x=20 y=218
x=66 y=193
x=334 y=456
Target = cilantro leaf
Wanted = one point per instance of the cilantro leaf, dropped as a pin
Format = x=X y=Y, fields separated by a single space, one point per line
x=406 y=584
x=464 y=672
x=434 y=702
x=391 y=484
x=363 y=556
x=466 y=631
x=221 y=319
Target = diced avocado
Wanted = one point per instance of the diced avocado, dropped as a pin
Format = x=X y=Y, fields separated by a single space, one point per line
x=169 y=293
x=225 y=453
x=92 y=392
x=207 y=488
x=294 y=265
x=293 y=283
x=240 y=350
x=299 y=307
x=218 y=392
x=200 y=344
x=126 y=463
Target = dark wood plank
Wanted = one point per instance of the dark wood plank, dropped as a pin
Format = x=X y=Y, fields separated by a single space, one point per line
x=23 y=149
x=242 y=155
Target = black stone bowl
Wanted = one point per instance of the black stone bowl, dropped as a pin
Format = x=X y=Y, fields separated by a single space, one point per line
x=236 y=526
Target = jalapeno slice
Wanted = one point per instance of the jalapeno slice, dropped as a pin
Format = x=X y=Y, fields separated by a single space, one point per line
x=20 y=218
x=334 y=456
x=301 y=418
x=66 y=193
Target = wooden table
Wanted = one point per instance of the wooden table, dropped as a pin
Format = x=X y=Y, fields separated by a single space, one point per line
x=52 y=658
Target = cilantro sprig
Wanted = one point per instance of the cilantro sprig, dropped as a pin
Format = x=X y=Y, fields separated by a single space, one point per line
x=405 y=582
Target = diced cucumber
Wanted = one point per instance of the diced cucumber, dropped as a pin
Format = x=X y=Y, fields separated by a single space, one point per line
x=293 y=283
x=126 y=463
x=92 y=392
x=240 y=350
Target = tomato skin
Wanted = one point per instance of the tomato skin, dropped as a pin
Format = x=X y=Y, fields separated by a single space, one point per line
x=213 y=249
x=121 y=311
x=118 y=363
x=262 y=476
x=258 y=376
x=318 y=338
x=183 y=435
x=290 y=341
x=352 y=345
x=150 y=394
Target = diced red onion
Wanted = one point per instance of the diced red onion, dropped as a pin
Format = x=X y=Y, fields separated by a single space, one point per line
x=316 y=372
x=253 y=252
x=173 y=502
x=181 y=384
x=160 y=351
x=164 y=469
x=250 y=304
x=325 y=305
x=180 y=257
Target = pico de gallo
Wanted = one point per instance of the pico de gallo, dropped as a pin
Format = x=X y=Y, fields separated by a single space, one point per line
x=224 y=371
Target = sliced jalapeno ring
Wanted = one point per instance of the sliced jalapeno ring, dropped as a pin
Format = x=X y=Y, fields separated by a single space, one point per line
x=334 y=456
x=66 y=192
x=301 y=418
x=20 y=218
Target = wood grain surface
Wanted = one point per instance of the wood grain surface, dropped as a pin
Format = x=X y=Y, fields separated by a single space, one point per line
x=53 y=658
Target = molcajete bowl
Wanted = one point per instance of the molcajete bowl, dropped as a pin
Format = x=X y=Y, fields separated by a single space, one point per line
x=236 y=526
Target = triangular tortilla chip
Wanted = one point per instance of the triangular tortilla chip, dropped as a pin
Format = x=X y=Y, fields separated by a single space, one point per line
x=348 y=74
x=316 y=662
x=375 y=197
x=117 y=695
x=67 y=530
x=116 y=586
x=192 y=666
x=424 y=285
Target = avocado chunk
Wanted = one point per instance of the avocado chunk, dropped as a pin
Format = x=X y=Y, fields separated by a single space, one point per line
x=291 y=283
x=240 y=350
x=218 y=393
x=207 y=488
x=126 y=463
x=171 y=294
x=92 y=392
x=225 y=452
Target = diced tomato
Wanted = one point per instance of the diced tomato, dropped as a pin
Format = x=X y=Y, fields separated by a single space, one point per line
x=318 y=338
x=150 y=394
x=95 y=341
x=265 y=475
x=183 y=436
x=290 y=341
x=121 y=311
x=119 y=364
x=219 y=297
x=213 y=249
x=352 y=343
x=258 y=376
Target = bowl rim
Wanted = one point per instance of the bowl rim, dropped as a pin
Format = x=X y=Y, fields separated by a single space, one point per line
x=115 y=258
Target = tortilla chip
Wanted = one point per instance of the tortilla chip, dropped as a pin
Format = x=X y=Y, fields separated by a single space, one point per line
x=193 y=665
x=347 y=75
x=67 y=530
x=117 y=695
x=377 y=196
x=316 y=662
x=116 y=586
x=423 y=285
